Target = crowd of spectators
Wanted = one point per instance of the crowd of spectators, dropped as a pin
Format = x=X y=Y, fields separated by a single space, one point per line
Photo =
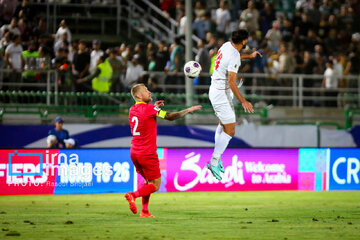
x=303 y=37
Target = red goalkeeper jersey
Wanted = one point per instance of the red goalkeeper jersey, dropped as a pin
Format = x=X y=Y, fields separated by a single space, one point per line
x=142 y=119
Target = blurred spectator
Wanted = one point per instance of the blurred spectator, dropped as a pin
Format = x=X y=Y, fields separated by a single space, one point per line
x=26 y=10
x=118 y=68
x=287 y=30
x=63 y=66
x=310 y=41
x=305 y=25
x=60 y=133
x=210 y=41
x=352 y=67
x=96 y=53
x=266 y=18
x=30 y=56
x=332 y=43
x=203 y=57
x=40 y=29
x=7 y=10
x=70 y=143
x=25 y=31
x=250 y=17
x=161 y=57
x=61 y=43
x=273 y=37
x=80 y=66
x=134 y=73
x=168 y=7
x=223 y=18
x=177 y=57
x=63 y=28
x=286 y=60
x=12 y=27
x=330 y=83
x=101 y=78
x=140 y=51
x=199 y=10
x=252 y=40
x=152 y=63
x=153 y=85
x=182 y=24
x=14 y=59
x=212 y=54
x=202 y=25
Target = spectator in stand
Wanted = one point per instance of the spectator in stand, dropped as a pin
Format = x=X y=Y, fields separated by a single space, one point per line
x=118 y=68
x=287 y=30
x=12 y=27
x=211 y=41
x=311 y=40
x=223 y=18
x=182 y=24
x=7 y=10
x=252 y=40
x=14 y=59
x=266 y=18
x=212 y=55
x=305 y=25
x=273 y=37
x=134 y=73
x=63 y=28
x=153 y=85
x=330 y=83
x=140 y=51
x=40 y=29
x=95 y=55
x=177 y=57
x=203 y=58
x=169 y=8
x=63 y=66
x=101 y=79
x=251 y=17
x=60 y=133
x=332 y=43
x=309 y=68
x=80 y=67
x=26 y=10
x=161 y=57
x=352 y=67
x=199 y=10
x=61 y=43
x=30 y=57
x=202 y=25
x=25 y=31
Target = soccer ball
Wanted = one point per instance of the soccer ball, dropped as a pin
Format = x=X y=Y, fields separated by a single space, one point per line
x=192 y=69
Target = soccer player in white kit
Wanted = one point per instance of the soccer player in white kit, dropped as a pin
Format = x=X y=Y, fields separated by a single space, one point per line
x=222 y=90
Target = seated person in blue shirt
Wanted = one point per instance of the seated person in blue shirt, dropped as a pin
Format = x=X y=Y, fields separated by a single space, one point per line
x=60 y=133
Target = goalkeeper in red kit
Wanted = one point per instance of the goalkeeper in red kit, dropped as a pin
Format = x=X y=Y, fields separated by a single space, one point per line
x=142 y=117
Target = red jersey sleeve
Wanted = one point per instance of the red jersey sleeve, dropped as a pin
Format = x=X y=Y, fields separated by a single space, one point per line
x=151 y=110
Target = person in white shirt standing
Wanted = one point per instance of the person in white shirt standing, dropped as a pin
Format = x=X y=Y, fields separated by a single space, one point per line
x=222 y=89
x=330 y=83
x=95 y=55
x=14 y=59
x=223 y=18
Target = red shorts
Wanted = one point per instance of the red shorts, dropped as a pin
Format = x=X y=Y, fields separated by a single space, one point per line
x=146 y=165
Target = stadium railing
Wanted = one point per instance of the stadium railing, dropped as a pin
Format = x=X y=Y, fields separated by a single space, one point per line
x=92 y=104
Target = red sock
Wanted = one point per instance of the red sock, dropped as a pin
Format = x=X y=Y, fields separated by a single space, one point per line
x=145 y=203
x=147 y=189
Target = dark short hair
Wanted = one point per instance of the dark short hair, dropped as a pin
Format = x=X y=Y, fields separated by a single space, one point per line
x=239 y=35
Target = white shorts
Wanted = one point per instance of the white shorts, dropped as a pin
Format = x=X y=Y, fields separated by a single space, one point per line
x=221 y=100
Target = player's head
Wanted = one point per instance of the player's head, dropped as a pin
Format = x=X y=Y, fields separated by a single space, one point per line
x=140 y=93
x=240 y=37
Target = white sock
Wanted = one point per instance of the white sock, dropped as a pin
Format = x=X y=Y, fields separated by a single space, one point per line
x=218 y=131
x=221 y=144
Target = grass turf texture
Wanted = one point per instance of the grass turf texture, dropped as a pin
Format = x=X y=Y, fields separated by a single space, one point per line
x=198 y=215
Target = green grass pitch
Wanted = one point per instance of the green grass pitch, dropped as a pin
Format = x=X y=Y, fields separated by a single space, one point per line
x=191 y=215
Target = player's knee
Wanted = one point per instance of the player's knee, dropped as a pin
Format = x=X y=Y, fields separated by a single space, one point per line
x=230 y=131
x=156 y=183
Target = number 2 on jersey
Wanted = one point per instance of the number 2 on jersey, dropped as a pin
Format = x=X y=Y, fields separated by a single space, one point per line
x=217 y=60
x=136 y=120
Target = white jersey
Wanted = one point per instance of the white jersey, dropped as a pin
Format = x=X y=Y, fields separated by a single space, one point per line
x=227 y=60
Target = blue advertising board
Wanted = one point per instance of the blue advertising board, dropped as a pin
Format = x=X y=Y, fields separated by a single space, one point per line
x=94 y=171
x=343 y=169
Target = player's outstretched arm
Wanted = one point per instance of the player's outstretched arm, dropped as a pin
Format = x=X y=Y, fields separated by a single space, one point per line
x=176 y=115
x=234 y=88
x=253 y=55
